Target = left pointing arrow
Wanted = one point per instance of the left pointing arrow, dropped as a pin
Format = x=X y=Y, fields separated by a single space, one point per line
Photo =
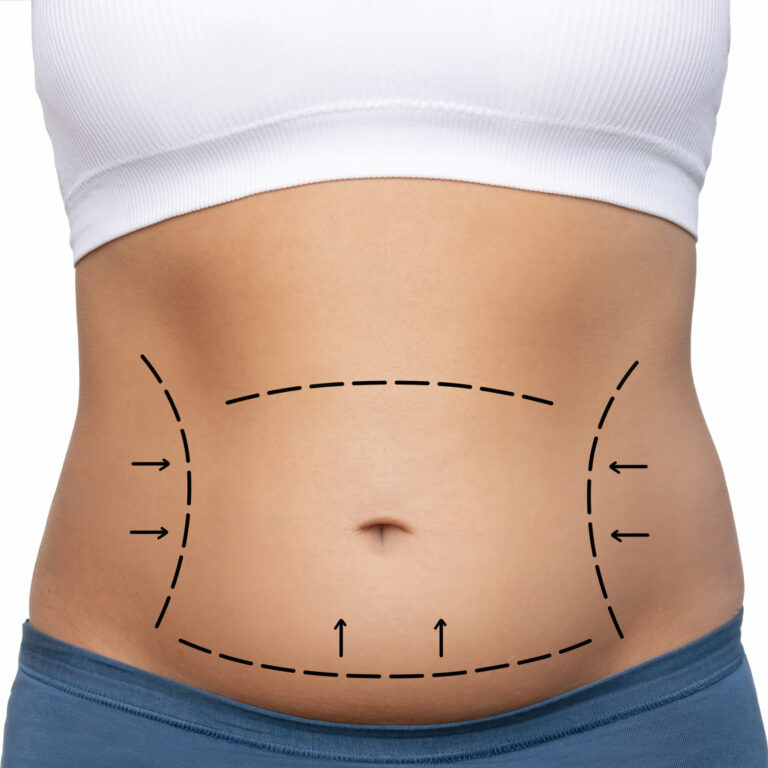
x=160 y=533
x=161 y=465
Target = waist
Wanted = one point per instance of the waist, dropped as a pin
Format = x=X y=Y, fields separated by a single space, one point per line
x=687 y=677
x=376 y=479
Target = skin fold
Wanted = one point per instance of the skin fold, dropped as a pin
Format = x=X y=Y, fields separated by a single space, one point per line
x=391 y=506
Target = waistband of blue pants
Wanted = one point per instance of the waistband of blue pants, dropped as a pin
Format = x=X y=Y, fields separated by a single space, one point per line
x=660 y=680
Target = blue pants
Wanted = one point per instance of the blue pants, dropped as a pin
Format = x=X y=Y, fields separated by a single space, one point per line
x=694 y=707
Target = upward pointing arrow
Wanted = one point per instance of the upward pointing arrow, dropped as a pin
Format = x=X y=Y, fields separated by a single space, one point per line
x=440 y=626
x=340 y=624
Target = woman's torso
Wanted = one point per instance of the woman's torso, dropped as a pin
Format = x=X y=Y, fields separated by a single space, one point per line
x=490 y=511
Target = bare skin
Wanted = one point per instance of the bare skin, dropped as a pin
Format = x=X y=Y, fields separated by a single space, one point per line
x=389 y=506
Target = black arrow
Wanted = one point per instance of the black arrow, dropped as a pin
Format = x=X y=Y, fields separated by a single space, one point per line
x=162 y=532
x=440 y=625
x=615 y=466
x=340 y=624
x=616 y=535
x=161 y=464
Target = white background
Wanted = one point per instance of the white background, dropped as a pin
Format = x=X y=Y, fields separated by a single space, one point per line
x=38 y=342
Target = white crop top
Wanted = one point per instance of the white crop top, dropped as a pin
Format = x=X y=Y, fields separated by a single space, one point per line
x=160 y=107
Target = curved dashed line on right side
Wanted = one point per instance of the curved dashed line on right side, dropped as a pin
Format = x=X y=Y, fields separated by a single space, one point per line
x=590 y=466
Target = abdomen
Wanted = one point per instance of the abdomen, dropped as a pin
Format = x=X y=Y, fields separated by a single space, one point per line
x=435 y=452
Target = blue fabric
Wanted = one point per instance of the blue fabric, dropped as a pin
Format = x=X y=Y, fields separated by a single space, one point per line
x=694 y=707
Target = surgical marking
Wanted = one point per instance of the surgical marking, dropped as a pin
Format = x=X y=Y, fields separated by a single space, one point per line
x=605 y=412
x=283 y=389
x=600 y=580
x=575 y=646
x=186 y=531
x=197 y=647
x=188 y=481
x=176 y=572
x=615 y=622
x=152 y=368
x=627 y=375
x=592 y=454
x=379 y=675
x=384 y=382
x=186 y=445
x=173 y=405
x=616 y=468
x=162 y=611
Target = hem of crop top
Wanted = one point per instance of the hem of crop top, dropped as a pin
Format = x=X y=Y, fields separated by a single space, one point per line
x=386 y=139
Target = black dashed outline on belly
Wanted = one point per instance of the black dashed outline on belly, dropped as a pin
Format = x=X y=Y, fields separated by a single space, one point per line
x=187 y=487
x=590 y=467
x=385 y=382
x=379 y=675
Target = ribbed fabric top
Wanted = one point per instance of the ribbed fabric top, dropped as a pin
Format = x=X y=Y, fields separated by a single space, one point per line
x=160 y=107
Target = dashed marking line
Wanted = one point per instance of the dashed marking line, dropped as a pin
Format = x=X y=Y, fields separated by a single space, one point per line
x=600 y=580
x=162 y=611
x=575 y=646
x=605 y=413
x=283 y=389
x=627 y=375
x=173 y=405
x=197 y=647
x=242 y=399
x=378 y=675
x=492 y=667
x=176 y=572
x=592 y=454
x=537 y=399
x=399 y=382
x=497 y=391
x=186 y=444
x=277 y=668
x=186 y=531
x=590 y=465
x=152 y=368
x=615 y=622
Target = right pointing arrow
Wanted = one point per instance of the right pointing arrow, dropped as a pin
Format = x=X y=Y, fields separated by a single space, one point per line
x=616 y=467
x=618 y=536
x=160 y=533
x=161 y=465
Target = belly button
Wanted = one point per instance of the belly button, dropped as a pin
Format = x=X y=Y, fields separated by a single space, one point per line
x=382 y=531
